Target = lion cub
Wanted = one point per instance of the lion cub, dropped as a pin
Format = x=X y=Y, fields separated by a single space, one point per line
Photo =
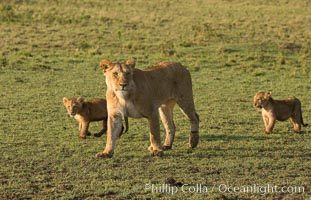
x=280 y=110
x=88 y=111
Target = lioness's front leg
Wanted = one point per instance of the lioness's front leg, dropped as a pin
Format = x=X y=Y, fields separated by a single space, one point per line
x=155 y=140
x=114 y=126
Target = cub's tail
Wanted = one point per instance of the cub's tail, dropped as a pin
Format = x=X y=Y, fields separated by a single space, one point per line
x=126 y=124
x=301 y=119
x=303 y=124
x=124 y=130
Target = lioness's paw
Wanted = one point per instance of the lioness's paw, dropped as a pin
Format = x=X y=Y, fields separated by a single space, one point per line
x=166 y=147
x=297 y=131
x=266 y=132
x=82 y=137
x=103 y=155
x=88 y=133
x=155 y=152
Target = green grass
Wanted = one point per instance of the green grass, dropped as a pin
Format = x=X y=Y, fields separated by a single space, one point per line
x=232 y=48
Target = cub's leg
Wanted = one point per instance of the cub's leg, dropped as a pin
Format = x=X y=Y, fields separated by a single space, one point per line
x=270 y=125
x=114 y=126
x=84 y=129
x=80 y=125
x=296 y=117
x=88 y=133
x=296 y=123
x=80 y=128
x=155 y=140
x=266 y=122
x=187 y=106
x=101 y=132
x=166 y=114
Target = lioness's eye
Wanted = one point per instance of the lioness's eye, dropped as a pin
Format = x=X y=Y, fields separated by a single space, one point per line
x=115 y=74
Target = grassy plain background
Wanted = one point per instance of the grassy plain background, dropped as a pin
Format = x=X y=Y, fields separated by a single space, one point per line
x=233 y=48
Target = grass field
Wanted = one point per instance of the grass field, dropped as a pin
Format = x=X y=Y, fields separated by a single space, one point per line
x=233 y=48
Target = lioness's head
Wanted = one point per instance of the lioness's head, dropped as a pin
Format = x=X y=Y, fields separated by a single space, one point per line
x=119 y=75
x=261 y=99
x=73 y=105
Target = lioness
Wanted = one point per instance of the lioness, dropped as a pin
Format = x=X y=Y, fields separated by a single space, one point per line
x=147 y=94
x=88 y=111
x=280 y=110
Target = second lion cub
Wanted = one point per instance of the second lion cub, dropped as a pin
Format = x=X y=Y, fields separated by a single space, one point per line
x=280 y=110
x=88 y=111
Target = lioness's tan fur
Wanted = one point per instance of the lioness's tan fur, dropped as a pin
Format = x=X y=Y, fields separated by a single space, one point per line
x=88 y=111
x=280 y=110
x=148 y=94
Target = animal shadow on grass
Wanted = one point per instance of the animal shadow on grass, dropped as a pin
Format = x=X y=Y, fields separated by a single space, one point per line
x=248 y=146
x=231 y=137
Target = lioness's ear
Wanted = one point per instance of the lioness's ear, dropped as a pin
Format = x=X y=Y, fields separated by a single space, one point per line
x=104 y=65
x=80 y=100
x=65 y=99
x=131 y=62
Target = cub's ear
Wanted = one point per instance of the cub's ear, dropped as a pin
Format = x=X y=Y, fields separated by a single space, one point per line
x=80 y=100
x=104 y=65
x=65 y=99
x=131 y=62
x=268 y=95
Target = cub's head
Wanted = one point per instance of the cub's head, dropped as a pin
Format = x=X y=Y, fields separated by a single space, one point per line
x=119 y=75
x=73 y=105
x=261 y=99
